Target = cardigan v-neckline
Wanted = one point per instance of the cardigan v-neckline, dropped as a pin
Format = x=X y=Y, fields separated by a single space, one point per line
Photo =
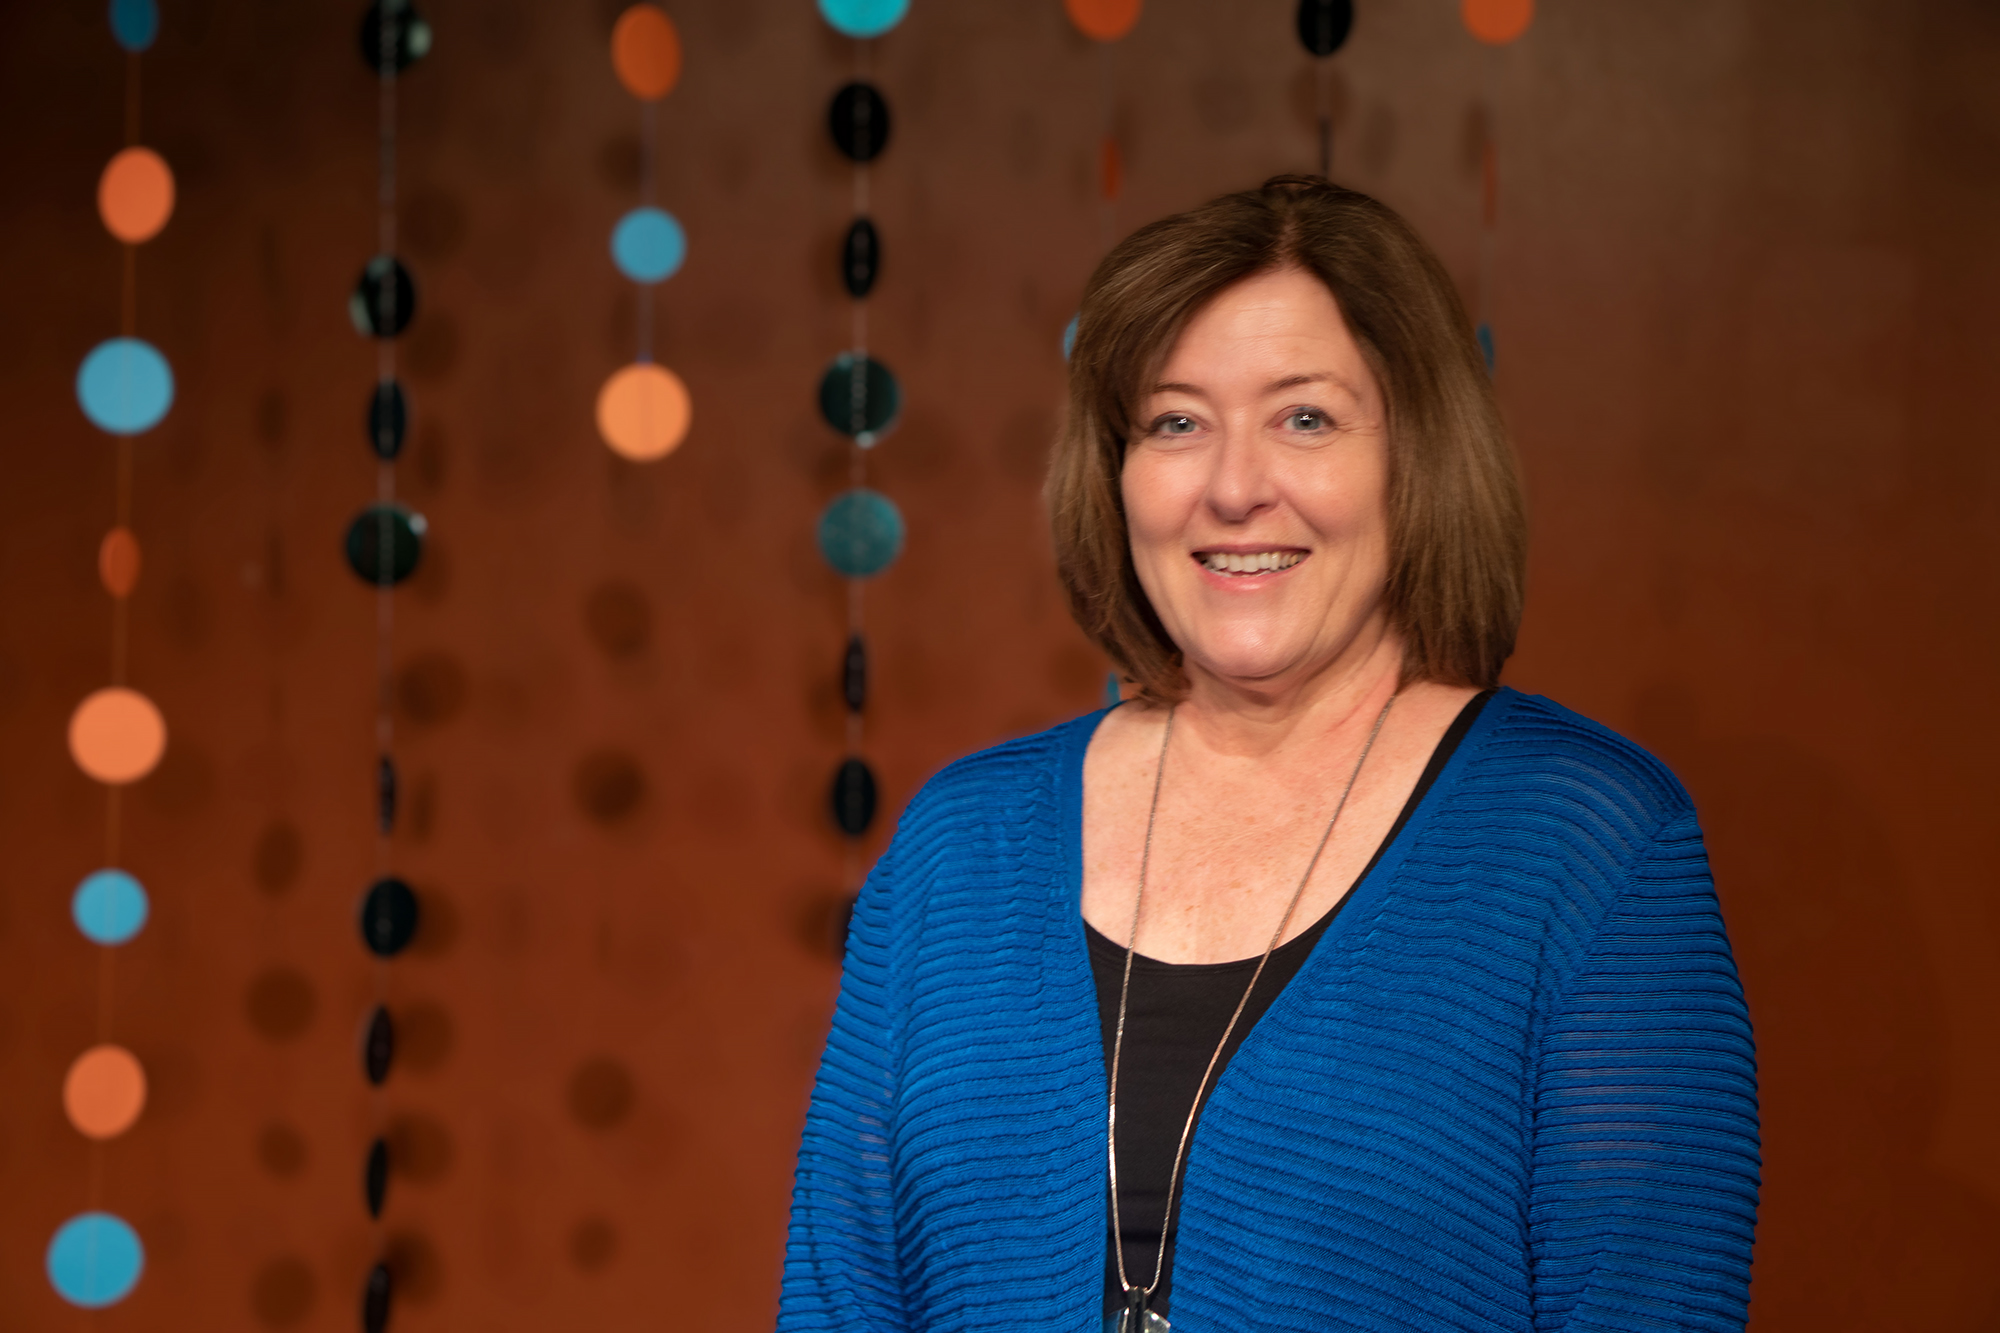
x=1071 y=951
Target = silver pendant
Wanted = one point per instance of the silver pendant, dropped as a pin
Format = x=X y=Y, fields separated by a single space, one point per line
x=1136 y=1318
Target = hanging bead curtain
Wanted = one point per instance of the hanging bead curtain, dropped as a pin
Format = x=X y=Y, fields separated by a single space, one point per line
x=643 y=410
x=117 y=735
x=861 y=530
x=384 y=545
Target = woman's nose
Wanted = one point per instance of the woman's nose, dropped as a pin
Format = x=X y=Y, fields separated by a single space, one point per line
x=1240 y=483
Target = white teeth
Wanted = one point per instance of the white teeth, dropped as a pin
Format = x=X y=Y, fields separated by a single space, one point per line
x=1259 y=562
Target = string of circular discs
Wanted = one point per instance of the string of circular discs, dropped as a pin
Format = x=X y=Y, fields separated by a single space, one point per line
x=1323 y=26
x=116 y=734
x=1495 y=23
x=384 y=546
x=1104 y=22
x=643 y=410
x=861 y=530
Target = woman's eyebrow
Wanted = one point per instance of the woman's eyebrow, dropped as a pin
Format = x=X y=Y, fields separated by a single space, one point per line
x=1275 y=386
x=1294 y=381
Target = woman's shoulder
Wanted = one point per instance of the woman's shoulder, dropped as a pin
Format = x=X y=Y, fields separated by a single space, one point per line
x=1567 y=766
x=1019 y=782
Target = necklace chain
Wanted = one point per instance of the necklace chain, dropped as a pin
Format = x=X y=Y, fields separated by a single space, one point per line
x=1125 y=990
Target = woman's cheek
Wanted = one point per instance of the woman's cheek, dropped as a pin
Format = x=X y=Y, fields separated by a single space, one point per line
x=1160 y=489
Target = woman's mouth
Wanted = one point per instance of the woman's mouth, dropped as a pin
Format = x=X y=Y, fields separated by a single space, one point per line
x=1243 y=564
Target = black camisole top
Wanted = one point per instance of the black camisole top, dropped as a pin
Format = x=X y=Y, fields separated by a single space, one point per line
x=1175 y=1014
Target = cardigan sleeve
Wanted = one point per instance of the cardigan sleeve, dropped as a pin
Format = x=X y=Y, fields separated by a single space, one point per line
x=841 y=1270
x=1644 y=1123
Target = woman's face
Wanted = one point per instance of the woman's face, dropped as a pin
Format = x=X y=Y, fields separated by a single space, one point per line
x=1256 y=486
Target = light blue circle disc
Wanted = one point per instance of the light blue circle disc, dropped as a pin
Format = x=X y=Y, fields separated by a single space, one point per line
x=95 y=1260
x=109 y=907
x=863 y=18
x=135 y=23
x=1485 y=335
x=648 y=245
x=1069 y=336
x=1113 y=696
x=125 y=386
x=861 y=533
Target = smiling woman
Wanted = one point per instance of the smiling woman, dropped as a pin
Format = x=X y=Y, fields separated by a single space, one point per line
x=1255 y=486
x=1367 y=323
x=1435 y=968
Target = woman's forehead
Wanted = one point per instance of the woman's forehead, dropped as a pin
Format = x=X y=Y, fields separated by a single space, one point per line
x=1267 y=334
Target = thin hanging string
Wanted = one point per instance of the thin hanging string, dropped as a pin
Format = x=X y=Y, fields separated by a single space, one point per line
x=131 y=99
x=1107 y=95
x=128 y=309
x=1323 y=96
x=389 y=30
x=120 y=612
x=1125 y=991
x=1489 y=184
x=649 y=138
x=861 y=203
x=107 y=963
x=857 y=456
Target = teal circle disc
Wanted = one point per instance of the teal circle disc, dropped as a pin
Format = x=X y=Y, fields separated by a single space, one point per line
x=863 y=18
x=859 y=396
x=95 y=1260
x=861 y=533
x=109 y=907
x=125 y=386
x=134 y=23
x=648 y=245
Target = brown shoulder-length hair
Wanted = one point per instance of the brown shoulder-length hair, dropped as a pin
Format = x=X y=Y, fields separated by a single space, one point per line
x=1457 y=534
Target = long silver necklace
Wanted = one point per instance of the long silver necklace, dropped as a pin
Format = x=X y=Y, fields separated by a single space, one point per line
x=1136 y=1317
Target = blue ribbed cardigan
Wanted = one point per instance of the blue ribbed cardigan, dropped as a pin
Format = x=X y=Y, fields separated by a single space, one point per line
x=1512 y=1088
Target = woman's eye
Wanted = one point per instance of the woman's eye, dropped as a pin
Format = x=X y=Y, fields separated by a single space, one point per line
x=1307 y=419
x=1174 y=424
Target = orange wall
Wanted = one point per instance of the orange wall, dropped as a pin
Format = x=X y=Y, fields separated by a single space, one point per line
x=1744 y=290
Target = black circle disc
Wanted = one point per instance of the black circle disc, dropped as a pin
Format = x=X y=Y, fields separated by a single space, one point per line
x=860 y=397
x=388 y=419
x=384 y=544
x=859 y=119
x=375 y=1300
x=1324 y=24
x=378 y=1047
x=384 y=298
x=388 y=917
x=860 y=258
x=405 y=41
x=853 y=798
x=854 y=674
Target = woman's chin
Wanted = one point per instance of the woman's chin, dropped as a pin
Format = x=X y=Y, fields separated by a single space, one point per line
x=1251 y=668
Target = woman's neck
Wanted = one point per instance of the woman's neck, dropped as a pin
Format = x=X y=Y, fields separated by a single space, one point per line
x=1268 y=720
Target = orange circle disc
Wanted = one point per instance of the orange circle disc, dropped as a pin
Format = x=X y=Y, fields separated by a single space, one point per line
x=1103 y=20
x=104 y=1092
x=118 y=562
x=116 y=735
x=135 y=195
x=643 y=411
x=1497 y=22
x=646 y=52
